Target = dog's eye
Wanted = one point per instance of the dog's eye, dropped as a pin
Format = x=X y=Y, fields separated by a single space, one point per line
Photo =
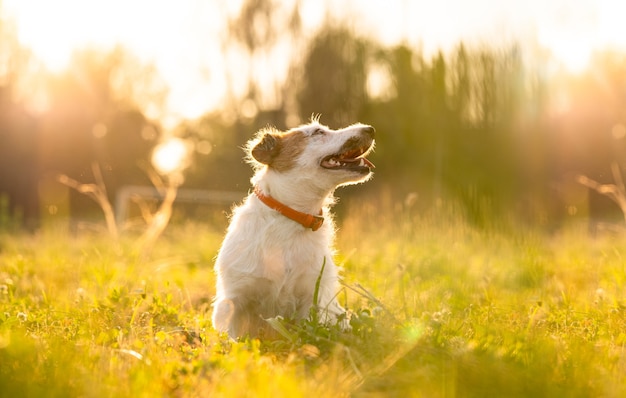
x=318 y=132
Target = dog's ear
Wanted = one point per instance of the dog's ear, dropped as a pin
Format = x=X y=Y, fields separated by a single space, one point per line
x=267 y=148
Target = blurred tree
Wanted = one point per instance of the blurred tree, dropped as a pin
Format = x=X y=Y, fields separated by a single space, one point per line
x=589 y=130
x=94 y=117
x=262 y=30
x=452 y=127
x=218 y=158
x=258 y=31
x=403 y=145
x=18 y=133
x=460 y=125
x=332 y=78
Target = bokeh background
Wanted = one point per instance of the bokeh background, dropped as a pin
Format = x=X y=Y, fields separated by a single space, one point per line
x=495 y=107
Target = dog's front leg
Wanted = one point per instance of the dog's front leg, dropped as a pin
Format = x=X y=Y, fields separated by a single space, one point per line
x=237 y=318
x=225 y=317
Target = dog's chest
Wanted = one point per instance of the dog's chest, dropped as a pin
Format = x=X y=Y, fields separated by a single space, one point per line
x=293 y=258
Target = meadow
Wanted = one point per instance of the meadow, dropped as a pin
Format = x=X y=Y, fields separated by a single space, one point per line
x=439 y=308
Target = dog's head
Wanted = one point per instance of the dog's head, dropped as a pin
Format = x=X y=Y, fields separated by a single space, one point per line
x=331 y=157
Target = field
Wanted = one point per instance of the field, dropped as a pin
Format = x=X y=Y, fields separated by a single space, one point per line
x=439 y=309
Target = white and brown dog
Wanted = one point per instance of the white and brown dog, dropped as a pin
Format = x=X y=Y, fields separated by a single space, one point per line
x=282 y=235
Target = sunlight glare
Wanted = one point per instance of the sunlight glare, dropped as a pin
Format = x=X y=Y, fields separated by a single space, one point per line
x=571 y=50
x=49 y=33
x=171 y=156
x=182 y=39
x=572 y=55
x=379 y=83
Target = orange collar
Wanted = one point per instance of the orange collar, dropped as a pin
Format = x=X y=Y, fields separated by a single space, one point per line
x=304 y=219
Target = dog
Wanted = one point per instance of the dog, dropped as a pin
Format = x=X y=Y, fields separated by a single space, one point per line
x=277 y=255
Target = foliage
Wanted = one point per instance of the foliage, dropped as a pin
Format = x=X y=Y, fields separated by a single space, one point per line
x=331 y=79
x=468 y=125
x=437 y=308
x=492 y=128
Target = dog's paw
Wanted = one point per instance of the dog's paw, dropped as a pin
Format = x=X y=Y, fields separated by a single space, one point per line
x=343 y=321
x=223 y=311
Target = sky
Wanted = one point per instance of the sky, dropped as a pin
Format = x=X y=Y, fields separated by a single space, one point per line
x=182 y=38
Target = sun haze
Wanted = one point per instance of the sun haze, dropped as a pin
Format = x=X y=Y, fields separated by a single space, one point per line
x=182 y=38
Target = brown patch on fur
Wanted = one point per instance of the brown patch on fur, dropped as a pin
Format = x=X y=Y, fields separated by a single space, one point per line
x=292 y=144
x=266 y=149
x=279 y=150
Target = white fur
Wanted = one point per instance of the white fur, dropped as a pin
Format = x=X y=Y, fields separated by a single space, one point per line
x=268 y=264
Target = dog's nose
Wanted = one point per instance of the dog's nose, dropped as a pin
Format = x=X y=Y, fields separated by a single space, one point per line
x=369 y=130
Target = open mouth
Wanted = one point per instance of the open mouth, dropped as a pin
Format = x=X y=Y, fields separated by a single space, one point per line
x=352 y=160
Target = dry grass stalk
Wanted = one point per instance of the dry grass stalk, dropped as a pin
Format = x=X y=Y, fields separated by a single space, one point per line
x=616 y=192
x=98 y=193
x=158 y=221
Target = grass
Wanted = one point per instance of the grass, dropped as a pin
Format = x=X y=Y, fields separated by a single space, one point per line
x=439 y=309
